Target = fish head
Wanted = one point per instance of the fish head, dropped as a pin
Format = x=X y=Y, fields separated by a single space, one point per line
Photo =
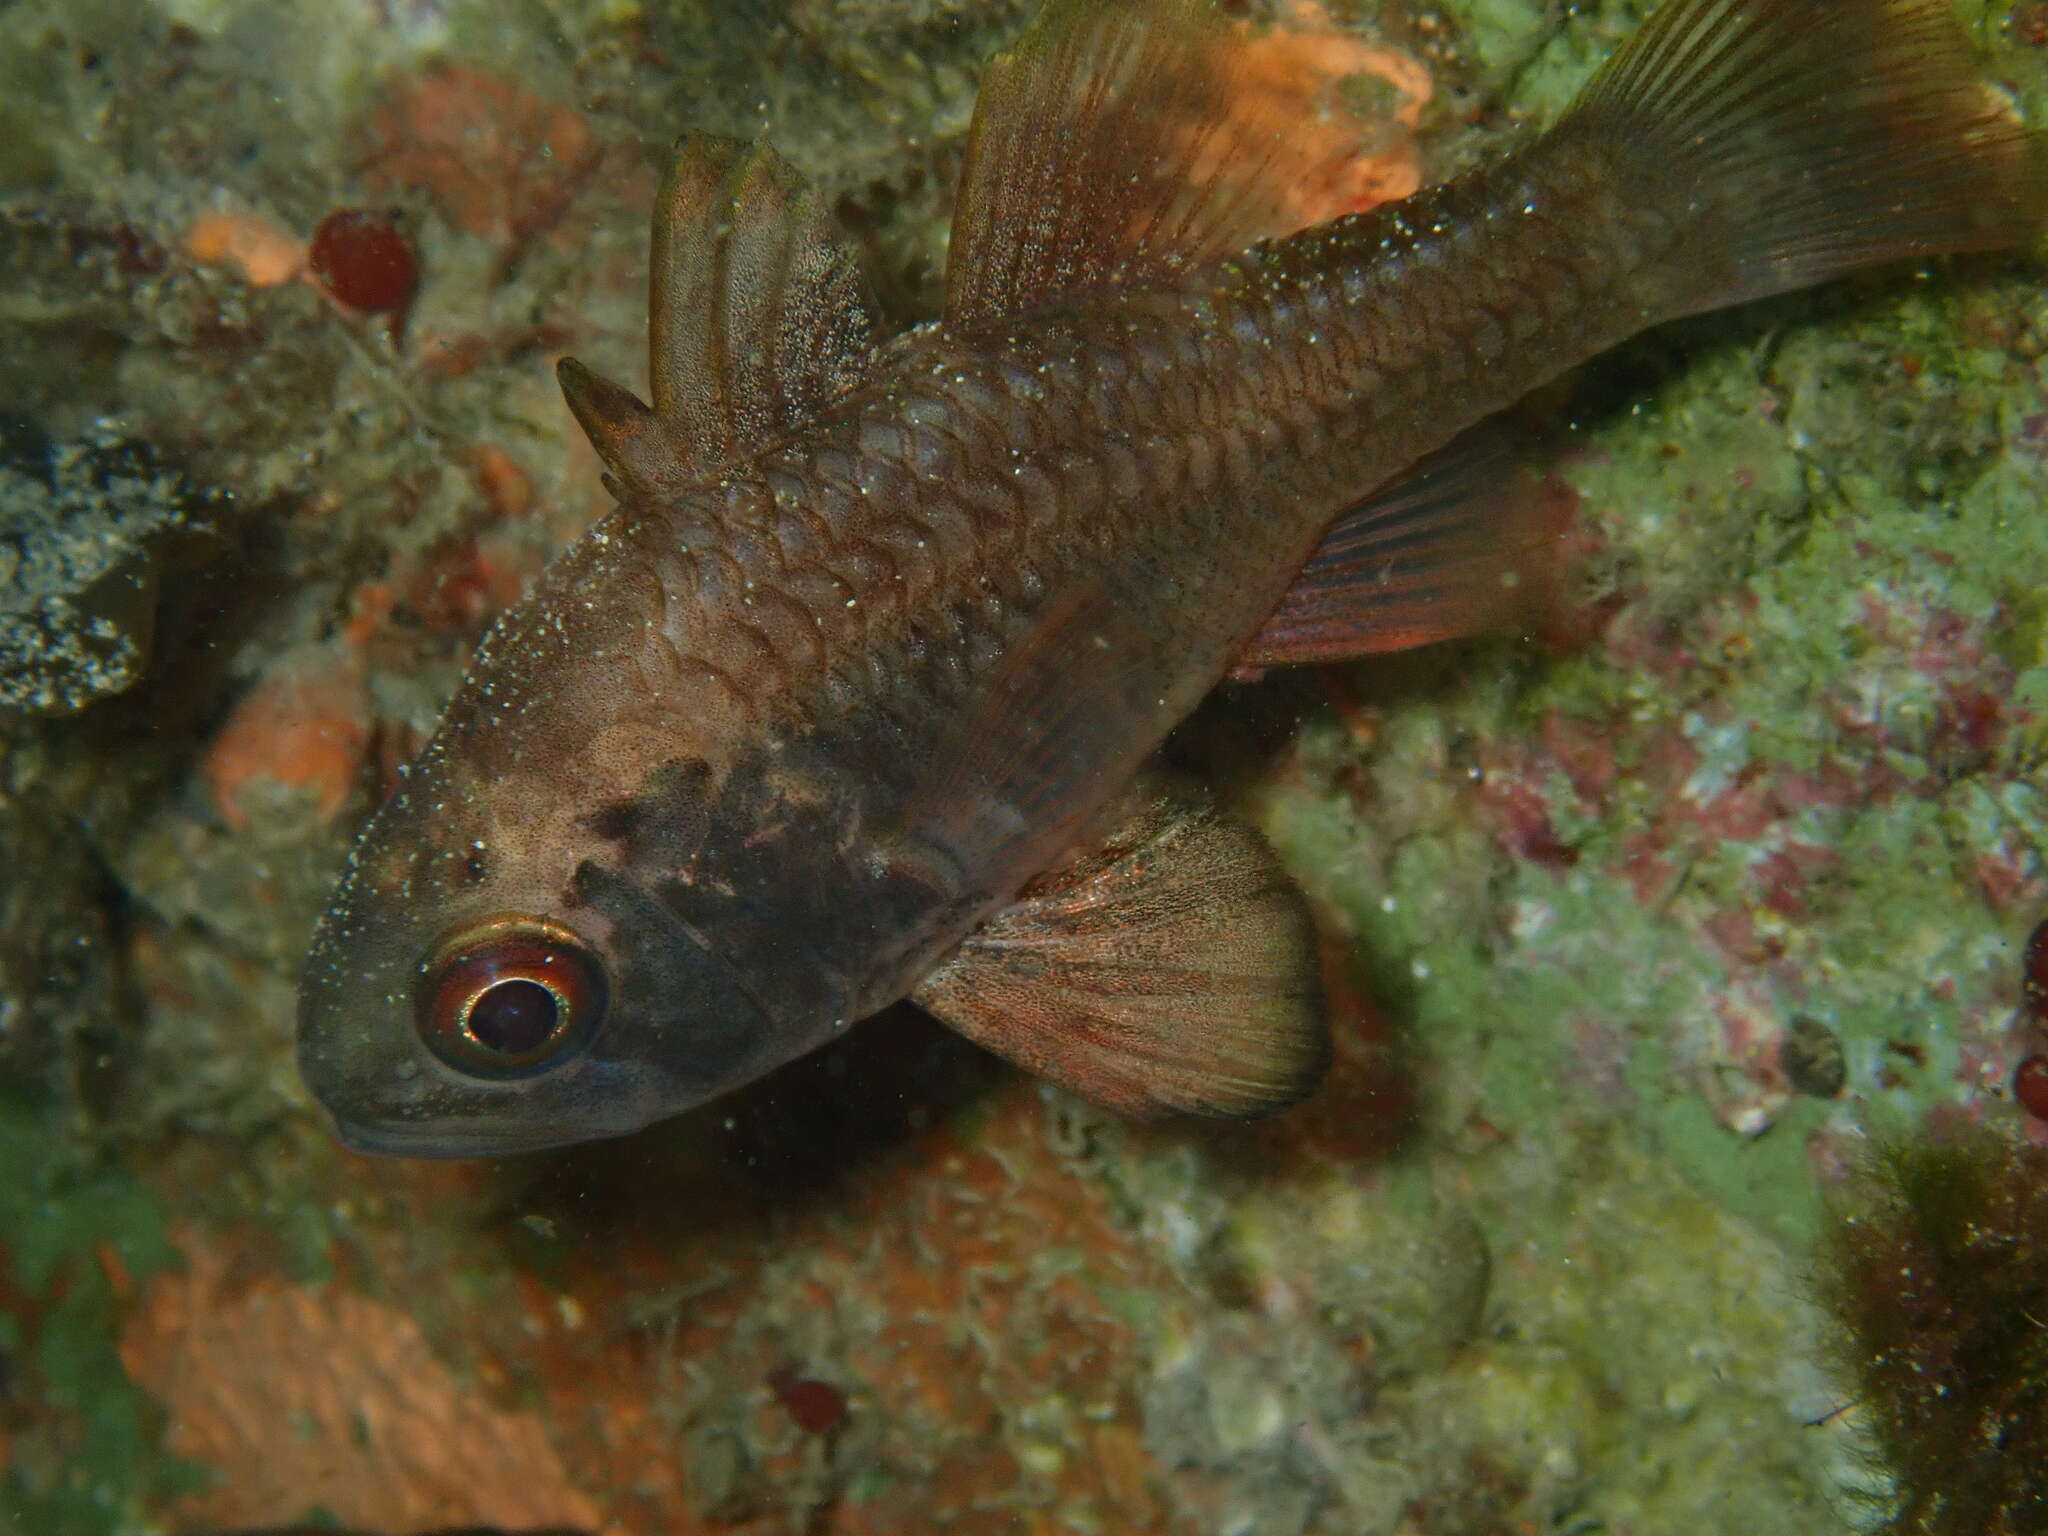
x=499 y=970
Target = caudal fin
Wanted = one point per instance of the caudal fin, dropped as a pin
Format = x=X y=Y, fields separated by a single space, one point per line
x=1799 y=139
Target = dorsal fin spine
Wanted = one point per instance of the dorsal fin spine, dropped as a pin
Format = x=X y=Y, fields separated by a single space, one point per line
x=759 y=315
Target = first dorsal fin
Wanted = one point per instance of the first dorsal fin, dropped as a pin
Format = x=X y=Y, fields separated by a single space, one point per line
x=758 y=314
x=1173 y=969
x=1105 y=151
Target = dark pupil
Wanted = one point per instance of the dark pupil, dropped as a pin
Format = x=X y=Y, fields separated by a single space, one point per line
x=514 y=1017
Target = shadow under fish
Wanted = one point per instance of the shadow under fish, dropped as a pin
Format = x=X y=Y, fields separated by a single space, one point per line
x=856 y=695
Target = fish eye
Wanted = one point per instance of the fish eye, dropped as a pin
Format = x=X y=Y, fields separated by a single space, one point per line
x=509 y=997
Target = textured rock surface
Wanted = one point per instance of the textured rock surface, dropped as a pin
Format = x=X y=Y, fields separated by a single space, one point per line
x=1637 y=929
x=78 y=573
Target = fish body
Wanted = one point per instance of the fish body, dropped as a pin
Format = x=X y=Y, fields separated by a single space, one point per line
x=853 y=696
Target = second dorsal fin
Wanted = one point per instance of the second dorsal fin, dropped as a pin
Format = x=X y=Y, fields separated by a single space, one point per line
x=1105 y=150
x=758 y=314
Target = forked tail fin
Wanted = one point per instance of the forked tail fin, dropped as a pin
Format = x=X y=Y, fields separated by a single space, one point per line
x=1799 y=139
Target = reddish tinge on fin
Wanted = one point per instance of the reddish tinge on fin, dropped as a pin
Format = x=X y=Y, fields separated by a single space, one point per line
x=1171 y=970
x=1104 y=152
x=1454 y=547
x=1789 y=141
x=758 y=314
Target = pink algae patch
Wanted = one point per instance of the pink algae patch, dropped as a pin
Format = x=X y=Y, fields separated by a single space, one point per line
x=301 y=1398
x=266 y=254
x=304 y=728
x=1522 y=819
x=1289 y=81
x=501 y=162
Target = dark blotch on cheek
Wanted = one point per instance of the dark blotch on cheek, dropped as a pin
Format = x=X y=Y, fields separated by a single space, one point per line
x=662 y=962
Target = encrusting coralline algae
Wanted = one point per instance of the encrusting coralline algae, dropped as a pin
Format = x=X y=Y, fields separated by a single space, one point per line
x=1777 y=774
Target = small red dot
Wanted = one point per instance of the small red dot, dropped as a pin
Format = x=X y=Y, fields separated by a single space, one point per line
x=2030 y=1086
x=364 y=260
x=818 y=1407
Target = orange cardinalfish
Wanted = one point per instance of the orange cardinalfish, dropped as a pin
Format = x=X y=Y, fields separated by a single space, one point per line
x=854 y=696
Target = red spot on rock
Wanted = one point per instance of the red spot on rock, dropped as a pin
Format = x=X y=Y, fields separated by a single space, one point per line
x=1742 y=813
x=817 y=1407
x=1523 y=817
x=1734 y=932
x=2030 y=1086
x=500 y=161
x=1968 y=723
x=134 y=253
x=364 y=261
x=504 y=483
x=1786 y=872
x=464 y=581
x=1367 y=1108
x=1584 y=749
x=1831 y=786
x=2007 y=875
x=1645 y=864
x=304 y=728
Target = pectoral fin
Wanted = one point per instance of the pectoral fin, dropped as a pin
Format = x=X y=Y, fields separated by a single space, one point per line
x=759 y=313
x=1455 y=546
x=1173 y=969
x=1069 y=715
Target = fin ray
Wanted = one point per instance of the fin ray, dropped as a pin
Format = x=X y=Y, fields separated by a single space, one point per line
x=1452 y=548
x=1105 y=151
x=760 y=308
x=1795 y=140
x=640 y=448
x=1173 y=969
x=759 y=313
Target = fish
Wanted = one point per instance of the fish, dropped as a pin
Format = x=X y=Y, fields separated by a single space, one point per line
x=857 y=694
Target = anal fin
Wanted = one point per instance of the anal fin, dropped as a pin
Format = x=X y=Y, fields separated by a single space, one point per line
x=1454 y=547
x=1173 y=969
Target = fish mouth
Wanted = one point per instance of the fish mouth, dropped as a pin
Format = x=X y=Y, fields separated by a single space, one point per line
x=440 y=1143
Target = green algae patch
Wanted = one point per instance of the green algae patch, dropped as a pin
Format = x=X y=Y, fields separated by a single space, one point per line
x=1790 y=793
x=1766 y=1180
x=1548 y=1327
x=78 y=1234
